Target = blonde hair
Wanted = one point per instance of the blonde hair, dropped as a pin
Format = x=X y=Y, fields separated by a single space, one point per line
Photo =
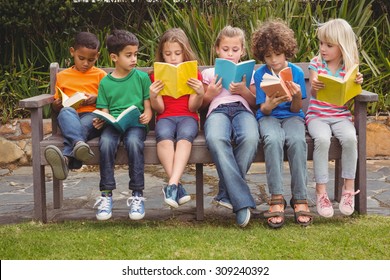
x=175 y=35
x=230 y=32
x=339 y=32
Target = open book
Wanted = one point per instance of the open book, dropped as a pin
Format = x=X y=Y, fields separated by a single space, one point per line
x=232 y=72
x=274 y=85
x=128 y=118
x=175 y=77
x=339 y=91
x=73 y=101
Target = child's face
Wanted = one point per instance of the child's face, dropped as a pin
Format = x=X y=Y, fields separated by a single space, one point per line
x=330 y=52
x=230 y=48
x=127 y=58
x=275 y=61
x=172 y=53
x=84 y=58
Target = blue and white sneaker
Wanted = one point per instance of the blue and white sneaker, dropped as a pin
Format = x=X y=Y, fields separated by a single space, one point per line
x=243 y=216
x=170 y=195
x=224 y=202
x=104 y=204
x=137 y=207
x=182 y=195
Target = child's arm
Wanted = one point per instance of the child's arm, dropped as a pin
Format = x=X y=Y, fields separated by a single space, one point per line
x=295 y=90
x=99 y=123
x=271 y=103
x=146 y=116
x=359 y=78
x=57 y=105
x=156 y=100
x=241 y=89
x=211 y=90
x=91 y=99
x=315 y=83
x=195 y=100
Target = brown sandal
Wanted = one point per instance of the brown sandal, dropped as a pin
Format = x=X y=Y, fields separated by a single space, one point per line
x=269 y=215
x=297 y=214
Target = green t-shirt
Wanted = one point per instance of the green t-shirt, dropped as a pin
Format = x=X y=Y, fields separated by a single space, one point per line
x=117 y=95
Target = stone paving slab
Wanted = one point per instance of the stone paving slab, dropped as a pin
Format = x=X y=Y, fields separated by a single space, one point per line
x=81 y=190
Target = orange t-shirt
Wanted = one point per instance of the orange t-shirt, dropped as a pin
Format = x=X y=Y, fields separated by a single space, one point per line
x=71 y=80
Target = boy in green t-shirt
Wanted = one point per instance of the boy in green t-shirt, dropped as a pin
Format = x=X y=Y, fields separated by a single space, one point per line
x=124 y=87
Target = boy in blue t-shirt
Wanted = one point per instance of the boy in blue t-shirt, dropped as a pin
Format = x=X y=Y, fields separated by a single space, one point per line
x=124 y=87
x=281 y=122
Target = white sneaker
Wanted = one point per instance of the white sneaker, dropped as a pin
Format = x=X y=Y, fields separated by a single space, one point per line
x=347 y=202
x=137 y=207
x=104 y=204
x=324 y=206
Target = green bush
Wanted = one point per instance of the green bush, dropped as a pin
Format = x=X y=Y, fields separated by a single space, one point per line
x=34 y=34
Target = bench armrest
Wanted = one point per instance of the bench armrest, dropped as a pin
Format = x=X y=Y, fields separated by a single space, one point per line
x=366 y=96
x=36 y=101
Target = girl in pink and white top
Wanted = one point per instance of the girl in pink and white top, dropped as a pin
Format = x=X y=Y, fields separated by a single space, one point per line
x=338 y=53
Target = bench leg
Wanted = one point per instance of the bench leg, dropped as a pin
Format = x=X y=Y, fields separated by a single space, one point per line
x=38 y=169
x=338 y=181
x=199 y=192
x=58 y=193
x=361 y=171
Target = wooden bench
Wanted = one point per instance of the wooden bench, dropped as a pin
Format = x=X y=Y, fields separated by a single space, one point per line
x=199 y=155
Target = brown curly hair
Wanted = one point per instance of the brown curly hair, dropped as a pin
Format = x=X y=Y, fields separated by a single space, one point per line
x=274 y=36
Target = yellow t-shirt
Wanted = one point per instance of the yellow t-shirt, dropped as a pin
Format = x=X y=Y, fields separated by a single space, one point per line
x=71 y=80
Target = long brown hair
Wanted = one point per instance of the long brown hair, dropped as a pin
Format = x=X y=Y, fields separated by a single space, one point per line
x=175 y=35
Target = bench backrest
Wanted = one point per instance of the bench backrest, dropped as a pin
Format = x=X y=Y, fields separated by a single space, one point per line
x=54 y=69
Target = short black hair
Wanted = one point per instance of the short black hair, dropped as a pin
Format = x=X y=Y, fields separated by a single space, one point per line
x=119 y=39
x=86 y=39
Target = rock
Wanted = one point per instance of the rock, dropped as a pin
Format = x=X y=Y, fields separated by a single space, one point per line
x=9 y=151
x=378 y=144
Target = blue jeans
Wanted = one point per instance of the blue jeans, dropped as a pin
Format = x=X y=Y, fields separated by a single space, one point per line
x=75 y=128
x=133 y=140
x=321 y=130
x=232 y=137
x=176 y=129
x=275 y=133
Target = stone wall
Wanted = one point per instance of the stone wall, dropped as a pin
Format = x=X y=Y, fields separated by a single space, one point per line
x=15 y=140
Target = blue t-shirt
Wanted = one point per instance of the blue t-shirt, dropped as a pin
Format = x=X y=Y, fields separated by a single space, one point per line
x=282 y=111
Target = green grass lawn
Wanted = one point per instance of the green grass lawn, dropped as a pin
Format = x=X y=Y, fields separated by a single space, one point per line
x=353 y=238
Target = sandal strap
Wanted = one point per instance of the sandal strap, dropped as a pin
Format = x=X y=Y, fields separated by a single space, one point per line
x=299 y=201
x=303 y=213
x=276 y=201
x=273 y=214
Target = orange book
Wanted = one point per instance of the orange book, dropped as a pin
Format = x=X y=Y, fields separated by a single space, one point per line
x=273 y=85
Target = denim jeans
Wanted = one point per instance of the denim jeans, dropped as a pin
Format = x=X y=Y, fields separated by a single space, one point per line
x=176 y=129
x=232 y=137
x=343 y=129
x=133 y=140
x=275 y=133
x=75 y=127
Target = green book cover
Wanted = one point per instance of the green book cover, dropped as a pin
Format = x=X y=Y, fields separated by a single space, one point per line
x=128 y=118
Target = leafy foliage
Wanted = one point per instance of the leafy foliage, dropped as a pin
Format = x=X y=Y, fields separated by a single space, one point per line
x=34 y=34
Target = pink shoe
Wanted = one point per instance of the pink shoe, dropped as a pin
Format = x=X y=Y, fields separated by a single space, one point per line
x=324 y=206
x=347 y=202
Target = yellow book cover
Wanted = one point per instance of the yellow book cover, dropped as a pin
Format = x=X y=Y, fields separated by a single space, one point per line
x=72 y=101
x=339 y=91
x=175 y=77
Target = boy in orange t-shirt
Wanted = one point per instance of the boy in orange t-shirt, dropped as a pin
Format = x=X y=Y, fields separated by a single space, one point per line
x=76 y=124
